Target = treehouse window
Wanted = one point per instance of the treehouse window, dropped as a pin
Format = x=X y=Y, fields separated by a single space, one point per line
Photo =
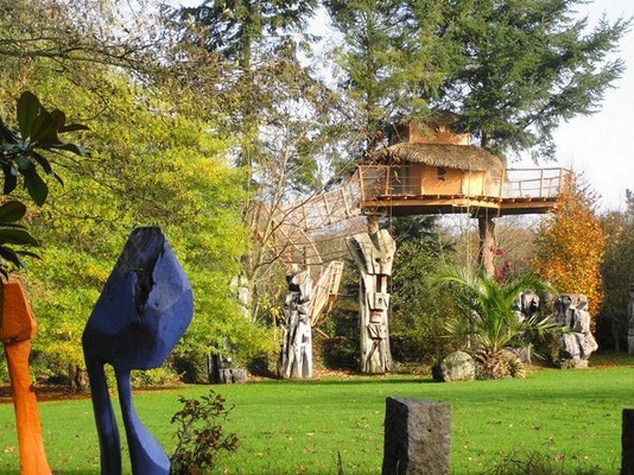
x=442 y=172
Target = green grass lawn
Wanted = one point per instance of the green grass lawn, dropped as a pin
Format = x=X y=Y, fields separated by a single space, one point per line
x=299 y=427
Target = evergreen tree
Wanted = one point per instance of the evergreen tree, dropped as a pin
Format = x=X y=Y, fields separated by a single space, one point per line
x=510 y=69
x=523 y=66
x=393 y=62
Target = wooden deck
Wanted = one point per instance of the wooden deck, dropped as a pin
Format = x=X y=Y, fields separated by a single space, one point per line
x=516 y=191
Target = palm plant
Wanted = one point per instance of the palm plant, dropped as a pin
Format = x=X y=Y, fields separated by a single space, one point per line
x=490 y=323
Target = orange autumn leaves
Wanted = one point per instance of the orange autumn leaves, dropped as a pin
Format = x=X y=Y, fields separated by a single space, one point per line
x=570 y=246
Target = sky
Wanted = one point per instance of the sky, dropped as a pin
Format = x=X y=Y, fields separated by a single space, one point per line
x=601 y=145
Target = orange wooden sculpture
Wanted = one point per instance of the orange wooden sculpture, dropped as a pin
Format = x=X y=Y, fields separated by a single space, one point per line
x=17 y=328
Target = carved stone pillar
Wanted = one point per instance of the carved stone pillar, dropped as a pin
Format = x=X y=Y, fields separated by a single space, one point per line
x=296 y=355
x=373 y=252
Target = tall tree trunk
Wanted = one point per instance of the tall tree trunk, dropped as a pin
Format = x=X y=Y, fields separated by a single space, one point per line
x=486 y=227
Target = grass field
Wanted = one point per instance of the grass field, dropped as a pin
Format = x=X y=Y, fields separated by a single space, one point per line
x=299 y=427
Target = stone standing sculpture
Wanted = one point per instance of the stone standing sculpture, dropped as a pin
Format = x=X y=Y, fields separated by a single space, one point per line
x=222 y=370
x=373 y=252
x=296 y=355
x=630 y=319
x=144 y=309
x=526 y=305
x=17 y=330
x=576 y=346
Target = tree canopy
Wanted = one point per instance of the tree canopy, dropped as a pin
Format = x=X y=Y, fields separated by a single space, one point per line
x=511 y=70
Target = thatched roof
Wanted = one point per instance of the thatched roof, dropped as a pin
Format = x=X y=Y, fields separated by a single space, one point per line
x=463 y=157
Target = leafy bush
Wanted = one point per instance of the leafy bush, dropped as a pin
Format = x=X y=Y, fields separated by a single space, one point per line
x=419 y=310
x=200 y=437
x=163 y=376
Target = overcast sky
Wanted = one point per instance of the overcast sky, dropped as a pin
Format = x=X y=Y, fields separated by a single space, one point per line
x=600 y=145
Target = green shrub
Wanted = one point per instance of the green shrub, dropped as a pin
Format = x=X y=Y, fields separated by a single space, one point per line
x=200 y=437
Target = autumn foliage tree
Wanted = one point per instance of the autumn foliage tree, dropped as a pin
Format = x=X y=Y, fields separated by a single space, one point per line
x=570 y=245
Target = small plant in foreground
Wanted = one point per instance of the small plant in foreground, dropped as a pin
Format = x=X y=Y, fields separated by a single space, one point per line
x=200 y=437
x=535 y=463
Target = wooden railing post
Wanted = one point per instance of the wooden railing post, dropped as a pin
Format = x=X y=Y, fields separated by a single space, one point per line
x=388 y=172
x=502 y=184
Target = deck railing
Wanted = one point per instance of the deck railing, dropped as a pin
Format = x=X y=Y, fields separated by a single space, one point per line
x=379 y=182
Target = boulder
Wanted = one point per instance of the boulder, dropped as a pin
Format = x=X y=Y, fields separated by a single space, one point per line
x=456 y=366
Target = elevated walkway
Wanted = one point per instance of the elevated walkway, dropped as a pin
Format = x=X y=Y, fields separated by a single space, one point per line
x=386 y=188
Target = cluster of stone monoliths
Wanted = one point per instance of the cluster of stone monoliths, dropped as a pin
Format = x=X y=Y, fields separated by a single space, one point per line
x=575 y=346
x=577 y=343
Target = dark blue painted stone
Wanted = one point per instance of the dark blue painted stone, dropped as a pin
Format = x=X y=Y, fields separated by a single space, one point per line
x=144 y=309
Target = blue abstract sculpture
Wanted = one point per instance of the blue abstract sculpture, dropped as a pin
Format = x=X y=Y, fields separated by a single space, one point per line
x=144 y=309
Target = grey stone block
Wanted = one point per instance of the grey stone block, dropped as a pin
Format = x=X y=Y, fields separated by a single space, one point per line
x=232 y=375
x=417 y=437
x=627 y=442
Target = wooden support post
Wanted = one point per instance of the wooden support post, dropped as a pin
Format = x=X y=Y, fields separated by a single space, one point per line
x=296 y=355
x=373 y=252
x=486 y=227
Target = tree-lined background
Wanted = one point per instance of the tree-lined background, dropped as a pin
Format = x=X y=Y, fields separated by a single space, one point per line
x=198 y=115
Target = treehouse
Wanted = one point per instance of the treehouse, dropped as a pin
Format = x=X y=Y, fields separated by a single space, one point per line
x=434 y=170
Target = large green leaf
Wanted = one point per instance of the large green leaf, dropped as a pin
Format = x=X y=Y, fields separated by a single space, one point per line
x=6 y=134
x=12 y=235
x=12 y=256
x=69 y=147
x=28 y=111
x=44 y=163
x=44 y=129
x=37 y=188
x=73 y=128
x=12 y=211
x=10 y=178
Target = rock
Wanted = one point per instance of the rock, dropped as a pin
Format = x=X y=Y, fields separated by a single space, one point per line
x=574 y=347
x=417 y=437
x=232 y=376
x=526 y=305
x=456 y=366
